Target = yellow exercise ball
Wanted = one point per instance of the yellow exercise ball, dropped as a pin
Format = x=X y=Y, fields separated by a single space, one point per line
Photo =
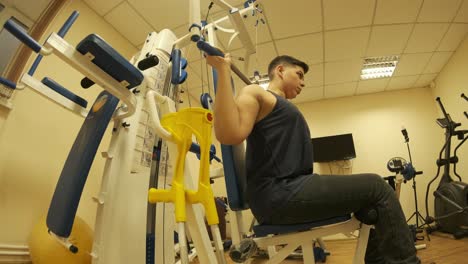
x=44 y=249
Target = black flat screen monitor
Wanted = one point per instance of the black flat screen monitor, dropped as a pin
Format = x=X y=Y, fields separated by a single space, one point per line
x=331 y=148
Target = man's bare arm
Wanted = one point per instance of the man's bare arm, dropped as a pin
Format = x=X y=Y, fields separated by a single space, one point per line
x=234 y=117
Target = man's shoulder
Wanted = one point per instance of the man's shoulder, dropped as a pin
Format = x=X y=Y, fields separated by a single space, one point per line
x=253 y=88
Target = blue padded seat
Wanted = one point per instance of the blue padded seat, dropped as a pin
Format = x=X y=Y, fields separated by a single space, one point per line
x=110 y=61
x=264 y=230
x=64 y=92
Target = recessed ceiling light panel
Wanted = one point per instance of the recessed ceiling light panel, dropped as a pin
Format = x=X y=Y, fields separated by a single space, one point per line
x=379 y=67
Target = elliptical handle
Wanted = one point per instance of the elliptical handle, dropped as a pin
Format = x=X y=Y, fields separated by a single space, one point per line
x=443 y=108
x=464 y=96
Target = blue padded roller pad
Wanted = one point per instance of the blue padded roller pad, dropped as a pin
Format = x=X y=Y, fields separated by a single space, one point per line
x=264 y=230
x=110 y=61
x=70 y=185
x=64 y=92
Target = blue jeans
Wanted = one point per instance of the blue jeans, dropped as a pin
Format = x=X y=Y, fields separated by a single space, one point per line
x=325 y=196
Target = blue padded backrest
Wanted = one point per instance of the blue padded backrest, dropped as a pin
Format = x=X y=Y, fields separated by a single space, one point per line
x=62 y=209
x=110 y=61
x=235 y=176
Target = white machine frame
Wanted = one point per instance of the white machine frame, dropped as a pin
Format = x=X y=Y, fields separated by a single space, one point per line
x=120 y=228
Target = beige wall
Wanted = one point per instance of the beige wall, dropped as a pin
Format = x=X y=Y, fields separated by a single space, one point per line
x=36 y=136
x=375 y=120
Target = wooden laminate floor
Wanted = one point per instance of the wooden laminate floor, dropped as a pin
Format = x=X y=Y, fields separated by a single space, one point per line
x=442 y=249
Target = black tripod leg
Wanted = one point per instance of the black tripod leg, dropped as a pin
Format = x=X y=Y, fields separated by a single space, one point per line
x=411 y=217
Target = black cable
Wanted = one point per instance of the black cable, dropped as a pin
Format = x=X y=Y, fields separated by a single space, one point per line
x=208 y=80
x=188 y=96
x=207 y=73
x=207 y=13
x=201 y=72
x=201 y=53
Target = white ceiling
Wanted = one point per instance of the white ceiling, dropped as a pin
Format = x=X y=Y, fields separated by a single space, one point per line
x=333 y=36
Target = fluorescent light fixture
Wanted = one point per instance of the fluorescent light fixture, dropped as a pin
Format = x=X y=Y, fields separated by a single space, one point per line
x=260 y=79
x=264 y=85
x=379 y=67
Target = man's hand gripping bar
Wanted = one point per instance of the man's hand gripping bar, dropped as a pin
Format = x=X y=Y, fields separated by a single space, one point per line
x=212 y=51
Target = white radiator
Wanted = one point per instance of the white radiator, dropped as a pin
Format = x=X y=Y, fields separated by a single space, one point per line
x=14 y=254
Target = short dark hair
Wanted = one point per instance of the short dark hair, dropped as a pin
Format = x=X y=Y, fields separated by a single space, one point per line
x=288 y=60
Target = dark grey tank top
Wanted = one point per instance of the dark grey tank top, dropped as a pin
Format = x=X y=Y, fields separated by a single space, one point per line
x=278 y=158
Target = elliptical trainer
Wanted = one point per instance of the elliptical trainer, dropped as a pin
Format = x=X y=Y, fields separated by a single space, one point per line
x=451 y=197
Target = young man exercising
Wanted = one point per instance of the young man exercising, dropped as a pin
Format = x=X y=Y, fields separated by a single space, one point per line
x=281 y=186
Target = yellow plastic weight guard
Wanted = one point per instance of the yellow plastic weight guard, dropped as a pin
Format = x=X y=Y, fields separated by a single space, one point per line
x=182 y=125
